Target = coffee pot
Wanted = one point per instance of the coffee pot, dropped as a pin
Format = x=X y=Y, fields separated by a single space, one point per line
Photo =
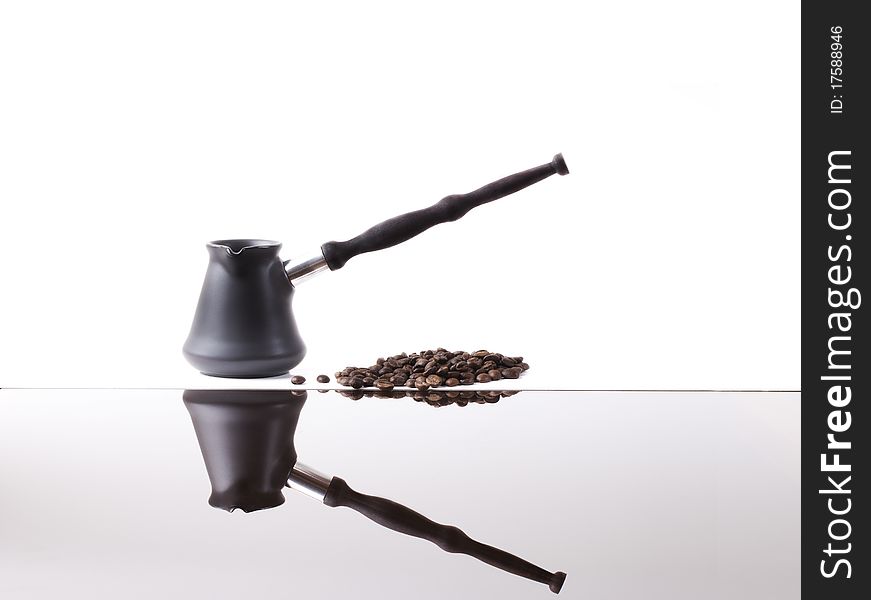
x=244 y=326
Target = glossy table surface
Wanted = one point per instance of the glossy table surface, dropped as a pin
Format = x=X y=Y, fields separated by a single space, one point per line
x=104 y=494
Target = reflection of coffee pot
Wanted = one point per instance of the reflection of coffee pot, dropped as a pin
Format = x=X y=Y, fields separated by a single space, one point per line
x=243 y=325
x=246 y=438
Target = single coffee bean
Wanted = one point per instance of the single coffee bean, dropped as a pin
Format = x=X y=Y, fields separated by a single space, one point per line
x=480 y=353
x=508 y=362
x=495 y=374
x=509 y=374
x=323 y=379
x=297 y=380
x=452 y=381
x=383 y=384
x=483 y=378
x=434 y=380
x=356 y=383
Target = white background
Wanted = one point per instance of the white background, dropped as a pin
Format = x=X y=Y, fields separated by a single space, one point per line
x=132 y=133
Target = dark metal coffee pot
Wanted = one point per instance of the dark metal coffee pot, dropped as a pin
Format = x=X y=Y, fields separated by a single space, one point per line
x=244 y=325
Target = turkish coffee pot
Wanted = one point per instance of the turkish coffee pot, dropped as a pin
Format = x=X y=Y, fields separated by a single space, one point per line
x=244 y=326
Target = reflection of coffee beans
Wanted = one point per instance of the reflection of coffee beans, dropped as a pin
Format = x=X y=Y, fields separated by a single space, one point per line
x=433 y=368
x=434 y=397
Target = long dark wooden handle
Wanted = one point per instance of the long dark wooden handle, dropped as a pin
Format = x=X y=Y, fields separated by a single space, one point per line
x=404 y=227
x=450 y=539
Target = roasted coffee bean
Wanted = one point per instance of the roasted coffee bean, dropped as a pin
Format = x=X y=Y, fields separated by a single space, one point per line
x=297 y=380
x=323 y=379
x=383 y=384
x=431 y=368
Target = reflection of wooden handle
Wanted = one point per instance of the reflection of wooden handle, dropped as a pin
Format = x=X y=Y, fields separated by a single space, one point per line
x=404 y=227
x=451 y=539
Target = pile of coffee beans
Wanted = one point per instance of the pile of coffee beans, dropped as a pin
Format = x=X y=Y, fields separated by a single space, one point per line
x=433 y=368
x=434 y=398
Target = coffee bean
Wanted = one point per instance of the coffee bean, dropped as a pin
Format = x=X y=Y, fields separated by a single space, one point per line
x=323 y=379
x=431 y=369
x=297 y=380
x=383 y=384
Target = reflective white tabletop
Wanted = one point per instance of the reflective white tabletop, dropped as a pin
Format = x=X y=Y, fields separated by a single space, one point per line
x=104 y=494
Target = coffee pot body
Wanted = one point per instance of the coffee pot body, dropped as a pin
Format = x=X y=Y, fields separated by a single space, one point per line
x=244 y=325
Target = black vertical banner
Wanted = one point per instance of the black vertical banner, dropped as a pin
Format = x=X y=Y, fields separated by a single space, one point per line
x=836 y=371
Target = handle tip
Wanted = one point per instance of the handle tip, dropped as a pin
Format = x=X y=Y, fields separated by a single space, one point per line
x=559 y=165
x=557 y=581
